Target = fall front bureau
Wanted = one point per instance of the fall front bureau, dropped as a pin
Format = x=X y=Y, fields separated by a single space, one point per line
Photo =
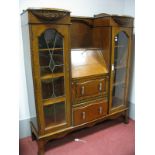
x=77 y=70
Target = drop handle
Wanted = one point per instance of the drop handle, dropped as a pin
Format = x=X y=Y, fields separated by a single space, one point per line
x=112 y=67
x=100 y=86
x=82 y=90
x=100 y=110
x=83 y=115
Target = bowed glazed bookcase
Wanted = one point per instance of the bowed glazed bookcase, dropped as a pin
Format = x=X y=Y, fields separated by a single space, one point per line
x=77 y=70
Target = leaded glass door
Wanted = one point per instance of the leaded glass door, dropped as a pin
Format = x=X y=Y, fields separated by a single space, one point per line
x=119 y=68
x=53 y=61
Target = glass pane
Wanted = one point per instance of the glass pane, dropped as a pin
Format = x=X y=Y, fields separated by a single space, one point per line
x=51 y=62
x=54 y=114
x=120 y=56
x=118 y=95
x=53 y=88
x=120 y=64
x=121 y=49
x=51 y=52
x=119 y=75
x=50 y=39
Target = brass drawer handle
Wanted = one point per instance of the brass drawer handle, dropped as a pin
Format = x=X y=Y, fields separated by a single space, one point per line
x=112 y=67
x=83 y=115
x=100 y=110
x=100 y=86
x=82 y=90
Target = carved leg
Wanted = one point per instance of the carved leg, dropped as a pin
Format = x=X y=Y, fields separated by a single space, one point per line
x=126 y=117
x=41 y=147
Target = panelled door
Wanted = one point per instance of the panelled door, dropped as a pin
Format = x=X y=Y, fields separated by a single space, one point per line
x=120 y=55
x=50 y=46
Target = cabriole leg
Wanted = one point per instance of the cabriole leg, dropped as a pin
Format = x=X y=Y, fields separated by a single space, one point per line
x=126 y=117
x=41 y=147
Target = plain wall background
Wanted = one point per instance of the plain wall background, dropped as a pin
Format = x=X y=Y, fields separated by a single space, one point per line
x=80 y=8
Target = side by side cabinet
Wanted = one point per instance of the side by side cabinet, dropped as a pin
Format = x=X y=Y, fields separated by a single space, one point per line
x=77 y=70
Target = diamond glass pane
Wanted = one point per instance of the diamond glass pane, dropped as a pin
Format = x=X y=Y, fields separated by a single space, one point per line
x=51 y=52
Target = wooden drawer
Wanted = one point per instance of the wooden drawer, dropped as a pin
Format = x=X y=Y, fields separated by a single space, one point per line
x=89 y=112
x=90 y=88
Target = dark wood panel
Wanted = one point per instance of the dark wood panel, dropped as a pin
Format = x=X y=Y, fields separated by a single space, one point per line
x=101 y=39
x=102 y=22
x=113 y=20
x=81 y=35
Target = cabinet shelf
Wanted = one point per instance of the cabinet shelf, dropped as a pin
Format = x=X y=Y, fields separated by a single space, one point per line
x=118 y=83
x=120 y=66
x=119 y=46
x=50 y=76
x=50 y=125
x=116 y=101
x=53 y=101
x=51 y=49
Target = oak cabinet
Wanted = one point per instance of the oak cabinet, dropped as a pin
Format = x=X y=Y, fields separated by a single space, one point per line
x=77 y=70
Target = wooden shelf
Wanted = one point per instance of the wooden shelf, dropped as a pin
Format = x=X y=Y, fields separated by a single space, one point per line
x=50 y=76
x=49 y=123
x=116 y=101
x=53 y=101
x=120 y=67
x=119 y=46
x=118 y=83
x=51 y=49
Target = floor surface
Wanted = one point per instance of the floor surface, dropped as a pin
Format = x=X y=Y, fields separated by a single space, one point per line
x=108 y=138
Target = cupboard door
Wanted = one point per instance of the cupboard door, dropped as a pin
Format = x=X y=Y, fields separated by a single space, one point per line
x=51 y=52
x=119 y=68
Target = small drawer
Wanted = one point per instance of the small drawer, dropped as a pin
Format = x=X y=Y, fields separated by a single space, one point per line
x=89 y=112
x=90 y=88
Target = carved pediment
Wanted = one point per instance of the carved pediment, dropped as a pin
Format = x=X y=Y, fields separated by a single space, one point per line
x=50 y=15
x=122 y=20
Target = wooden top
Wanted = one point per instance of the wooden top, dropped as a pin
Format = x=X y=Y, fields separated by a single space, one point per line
x=45 y=9
x=104 y=19
x=87 y=62
x=46 y=15
x=61 y=16
x=111 y=15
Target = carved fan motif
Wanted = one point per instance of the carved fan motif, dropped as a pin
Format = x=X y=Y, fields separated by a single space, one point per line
x=49 y=14
x=123 y=21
